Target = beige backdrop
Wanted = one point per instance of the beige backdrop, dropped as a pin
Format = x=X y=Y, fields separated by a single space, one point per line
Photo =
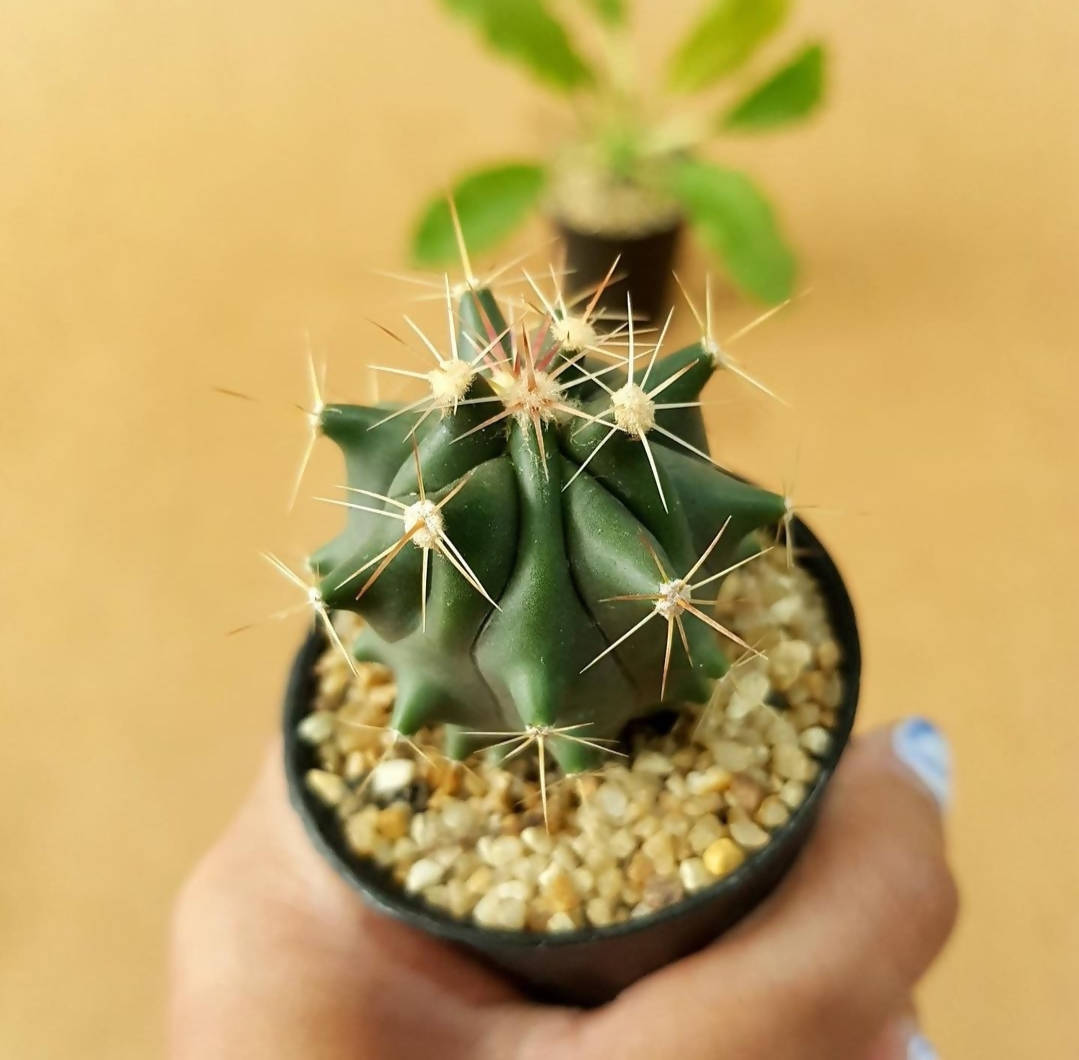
x=185 y=187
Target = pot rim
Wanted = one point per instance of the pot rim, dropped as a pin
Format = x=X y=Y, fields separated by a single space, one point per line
x=374 y=886
x=662 y=229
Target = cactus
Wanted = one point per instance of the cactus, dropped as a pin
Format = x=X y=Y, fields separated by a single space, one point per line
x=535 y=543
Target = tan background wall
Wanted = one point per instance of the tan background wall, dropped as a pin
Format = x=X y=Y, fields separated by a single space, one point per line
x=185 y=187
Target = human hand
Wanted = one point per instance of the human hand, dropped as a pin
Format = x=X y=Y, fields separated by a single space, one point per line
x=274 y=957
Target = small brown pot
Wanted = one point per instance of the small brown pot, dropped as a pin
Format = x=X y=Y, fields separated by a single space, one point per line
x=645 y=263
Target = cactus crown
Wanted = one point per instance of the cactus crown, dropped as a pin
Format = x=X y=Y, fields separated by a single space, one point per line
x=535 y=544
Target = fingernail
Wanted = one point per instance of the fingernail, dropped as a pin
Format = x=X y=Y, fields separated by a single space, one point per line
x=920 y=1048
x=923 y=749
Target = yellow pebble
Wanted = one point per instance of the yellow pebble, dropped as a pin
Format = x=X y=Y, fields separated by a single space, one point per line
x=393 y=821
x=723 y=857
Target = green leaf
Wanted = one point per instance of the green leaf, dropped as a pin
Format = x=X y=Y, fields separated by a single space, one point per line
x=736 y=222
x=724 y=38
x=490 y=203
x=526 y=31
x=791 y=93
x=613 y=12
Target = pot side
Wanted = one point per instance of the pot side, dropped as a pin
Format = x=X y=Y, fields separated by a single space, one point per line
x=645 y=264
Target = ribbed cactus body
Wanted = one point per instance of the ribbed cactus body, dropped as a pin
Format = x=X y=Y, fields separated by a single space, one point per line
x=507 y=627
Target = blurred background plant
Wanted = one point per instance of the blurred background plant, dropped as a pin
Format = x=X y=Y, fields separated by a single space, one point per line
x=631 y=169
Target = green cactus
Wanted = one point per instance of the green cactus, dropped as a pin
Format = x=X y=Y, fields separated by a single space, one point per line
x=512 y=536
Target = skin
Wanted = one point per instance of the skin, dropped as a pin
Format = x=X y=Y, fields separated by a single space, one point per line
x=274 y=957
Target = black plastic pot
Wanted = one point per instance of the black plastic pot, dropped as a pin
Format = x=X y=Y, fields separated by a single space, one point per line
x=645 y=264
x=590 y=966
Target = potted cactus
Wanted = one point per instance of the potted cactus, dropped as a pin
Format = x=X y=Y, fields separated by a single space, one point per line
x=631 y=172
x=574 y=691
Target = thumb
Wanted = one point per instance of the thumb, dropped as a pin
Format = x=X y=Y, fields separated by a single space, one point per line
x=820 y=968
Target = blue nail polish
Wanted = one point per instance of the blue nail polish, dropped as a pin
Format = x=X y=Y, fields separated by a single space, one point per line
x=921 y=746
x=919 y=1048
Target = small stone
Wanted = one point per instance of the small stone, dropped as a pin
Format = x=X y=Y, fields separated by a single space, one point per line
x=598 y=857
x=676 y=825
x=525 y=870
x=662 y=891
x=424 y=873
x=816 y=740
x=355 y=766
x=653 y=763
x=683 y=758
x=789 y=762
x=723 y=856
x=748 y=694
x=536 y=839
x=646 y=826
x=598 y=912
x=444 y=778
x=781 y=730
x=388 y=778
x=316 y=727
x=328 y=788
x=352 y=803
x=564 y=856
x=805 y=715
x=731 y=755
x=713 y=779
x=474 y=784
x=382 y=697
x=512 y=913
x=460 y=901
x=458 y=818
x=425 y=829
x=704 y=833
x=557 y=886
x=772 y=812
x=788 y=661
x=393 y=821
x=640 y=868
x=622 y=844
x=747 y=834
x=404 y=850
x=612 y=800
x=583 y=880
x=382 y=852
x=447 y=856
x=329 y=758
x=695 y=874
x=828 y=655
x=504 y=913
x=786 y=609
x=516 y=889
x=581 y=844
x=660 y=850
x=360 y=833
x=480 y=881
x=793 y=794
x=510 y=824
x=609 y=884
x=560 y=922
x=745 y=792
x=501 y=851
